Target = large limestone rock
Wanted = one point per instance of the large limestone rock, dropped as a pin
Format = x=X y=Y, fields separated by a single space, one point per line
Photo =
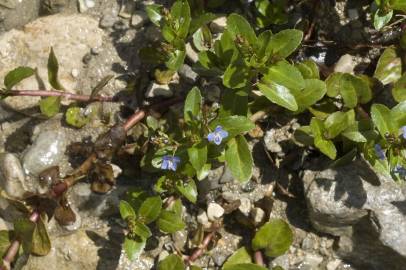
x=71 y=36
x=367 y=211
x=16 y=13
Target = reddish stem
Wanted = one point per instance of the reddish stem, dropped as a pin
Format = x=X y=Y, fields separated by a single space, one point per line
x=198 y=252
x=259 y=259
x=15 y=246
x=44 y=93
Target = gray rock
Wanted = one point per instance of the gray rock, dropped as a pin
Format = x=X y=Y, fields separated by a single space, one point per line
x=282 y=261
x=186 y=73
x=365 y=210
x=333 y=265
x=158 y=90
x=47 y=150
x=139 y=18
x=15 y=13
x=107 y=20
x=258 y=215
x=312 y=260
x=191 y=54
x=214 y=211
x=179 y=239
x=12 y=177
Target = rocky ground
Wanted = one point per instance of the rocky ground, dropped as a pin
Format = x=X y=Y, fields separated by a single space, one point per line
x=344 y=218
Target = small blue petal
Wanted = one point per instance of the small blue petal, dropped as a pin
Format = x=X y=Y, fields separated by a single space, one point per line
x=210 y=137
x=379 y=152
x=217 y=139
x=404 y=132
x=218 y=129
x=176 y=159
x=164 y=165
x=223 y=134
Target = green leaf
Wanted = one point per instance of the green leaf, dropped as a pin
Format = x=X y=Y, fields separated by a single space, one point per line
x=345 y=160
x=237 y=74
x=337 y=122
x=353 y=134
x=180 y=11
x=239 y=257
x=285 y=74
x=399 y=114
x=50 y=106
x=171 y=262
x=285 y=43
x=333 y=84
x=176 y=59
x=382 y=119
x=399 y=89
x=278 y=94
x=234 y=125
x=234 y=102
x=187 y=189
x=194 y=267
x=24 y=229
x=348 y=91
x=262 y=45
x=41 y=244
x=193 y=103
x=75 y=117
x=134 y=247
x=126 y=210
x=6 y=237
x=17 y=75
x=201 y=20
x=314 y=91
x=170 y=221
x=362 y=85
x=309 y=69
x=245 y=266
x=150 y=209
x=327 y=147
x=198 y=155
x=53 y=68
x=275 y=237
x=141 y=230
x=381 y=19
x=154 y=13
x=239 y=27
x=389 y=67
x=239 y=159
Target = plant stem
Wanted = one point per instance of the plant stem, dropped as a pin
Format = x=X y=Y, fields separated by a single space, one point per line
x=44 y=93
x=12 y=251
x=259 y=259
x=198 y=252
x=58 y=189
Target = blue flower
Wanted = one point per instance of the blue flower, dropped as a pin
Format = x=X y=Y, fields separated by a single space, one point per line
x=403 y=131
x=170 y=163
x=217 y=135
x=379 y=152
x=400 y=170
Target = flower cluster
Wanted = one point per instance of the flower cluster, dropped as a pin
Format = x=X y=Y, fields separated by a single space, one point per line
x=170 y=163
x=217 y=135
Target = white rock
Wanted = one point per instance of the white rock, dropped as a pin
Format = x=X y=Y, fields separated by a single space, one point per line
x=191 y=54
x=71 y=36
x=139 y=18
x=158 y=90
x=218 y=25
x=47 y=150
x=214 y=211
x=245 y=206
x=332 y=265
x=258 y=215
x=345 y=64
x=313 y=260
x=12 y=177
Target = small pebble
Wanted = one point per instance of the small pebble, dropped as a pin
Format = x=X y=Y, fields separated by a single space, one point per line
x=345 y=64
x=258 y=215
x=138 y=19
x=332 y=265
x=75 y=73
x=214 y=211
x=245 y=206
x=107 y=21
